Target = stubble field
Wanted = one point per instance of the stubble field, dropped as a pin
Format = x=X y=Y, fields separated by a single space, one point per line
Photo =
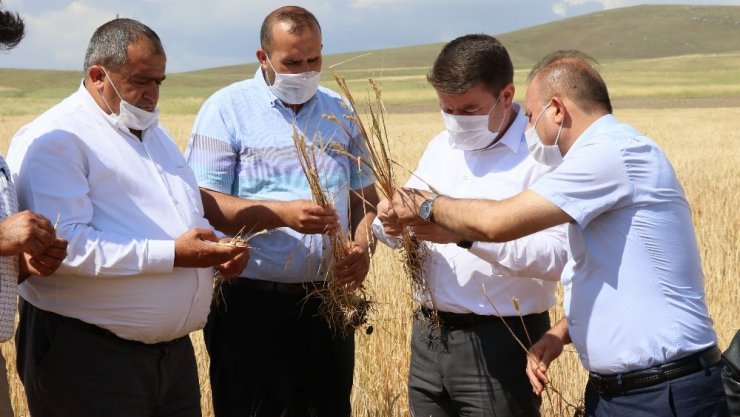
x=700 y=141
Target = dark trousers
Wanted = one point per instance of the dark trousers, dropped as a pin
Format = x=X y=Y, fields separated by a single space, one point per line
x=473 y=370
x=74 y=369
x=696 y=395
x=272 y=355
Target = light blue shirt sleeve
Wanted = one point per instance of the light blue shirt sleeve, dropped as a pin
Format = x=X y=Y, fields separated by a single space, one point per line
x=210 y=151
x=587 y=183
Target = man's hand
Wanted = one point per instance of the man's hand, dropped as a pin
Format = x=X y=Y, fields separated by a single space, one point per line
x=352 y=270
x=199 y=248
x=307 y=217
x=406 y=203
x=434 y=233
x=541 y=354
x=45 y=263
x=388 y=218
x=233 y=267
x=25 y=232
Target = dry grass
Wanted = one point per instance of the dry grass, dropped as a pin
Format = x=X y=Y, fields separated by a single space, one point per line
x=701 y=143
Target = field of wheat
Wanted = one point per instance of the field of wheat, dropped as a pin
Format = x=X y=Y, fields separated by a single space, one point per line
x=702 y=145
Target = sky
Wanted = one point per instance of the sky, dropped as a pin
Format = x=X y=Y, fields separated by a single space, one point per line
x=201 y=34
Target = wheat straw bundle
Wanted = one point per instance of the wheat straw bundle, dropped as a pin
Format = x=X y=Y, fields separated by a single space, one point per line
x=342 y=307
x=375 y=136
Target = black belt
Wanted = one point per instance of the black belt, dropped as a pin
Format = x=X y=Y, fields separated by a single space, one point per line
x=295 y=289
x=99 y=331
x=617 y=384
x=462 y=320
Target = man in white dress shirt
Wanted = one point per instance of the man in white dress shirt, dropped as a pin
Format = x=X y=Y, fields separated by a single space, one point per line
x=107 y=334
x=28 y=242
x=472 y=364
x=634 y=295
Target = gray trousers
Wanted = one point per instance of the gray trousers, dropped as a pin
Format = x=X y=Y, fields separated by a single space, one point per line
x=473 y=370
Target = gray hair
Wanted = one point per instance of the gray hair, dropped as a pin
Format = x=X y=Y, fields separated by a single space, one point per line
x=109 y=44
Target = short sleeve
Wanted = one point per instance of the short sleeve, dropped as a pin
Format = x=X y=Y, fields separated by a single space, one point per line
x=591 y=180
x=210 y=152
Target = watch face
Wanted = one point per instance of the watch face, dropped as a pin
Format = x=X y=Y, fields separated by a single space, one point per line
x=425 y=209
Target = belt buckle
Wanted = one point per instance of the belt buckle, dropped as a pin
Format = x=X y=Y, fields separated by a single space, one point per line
x=598 y=382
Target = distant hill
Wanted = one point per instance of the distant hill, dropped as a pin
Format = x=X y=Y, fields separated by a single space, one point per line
x=647 y=31
x=667 y=52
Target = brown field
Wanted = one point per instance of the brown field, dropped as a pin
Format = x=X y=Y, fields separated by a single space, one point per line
x=702 y=143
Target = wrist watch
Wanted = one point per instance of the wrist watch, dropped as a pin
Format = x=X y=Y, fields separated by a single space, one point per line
x=465 y=244
x=425 y=210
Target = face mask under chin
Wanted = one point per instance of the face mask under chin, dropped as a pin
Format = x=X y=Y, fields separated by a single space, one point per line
x=130 y=116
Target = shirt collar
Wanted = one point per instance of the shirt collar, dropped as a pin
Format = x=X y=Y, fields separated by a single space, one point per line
x=602 y=123
x=514 y=136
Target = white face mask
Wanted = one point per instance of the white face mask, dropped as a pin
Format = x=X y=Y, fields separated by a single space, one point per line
x=470 y=132
x=545 y=154
x=295 y=88
x=130 y=116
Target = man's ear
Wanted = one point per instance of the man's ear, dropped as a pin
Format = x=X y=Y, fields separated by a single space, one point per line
x=96 y=75
x=560 y=110
x=262 y=57
x=507 y=94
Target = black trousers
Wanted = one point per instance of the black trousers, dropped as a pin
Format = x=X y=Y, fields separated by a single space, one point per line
x=272 y=355
x=474 y=370
x=74 y=369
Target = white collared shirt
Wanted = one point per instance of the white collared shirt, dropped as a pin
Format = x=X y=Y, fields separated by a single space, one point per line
x=121 y=203
x=527 y=269
x=634 y=288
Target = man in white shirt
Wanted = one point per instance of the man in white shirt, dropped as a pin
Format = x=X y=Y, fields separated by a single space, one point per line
x=634 y=295
x=28 y=242
x=107 y=334
x=472 y=364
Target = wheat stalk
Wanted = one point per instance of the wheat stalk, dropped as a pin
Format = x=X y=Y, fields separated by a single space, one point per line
x=343 y=308
x=374 y=134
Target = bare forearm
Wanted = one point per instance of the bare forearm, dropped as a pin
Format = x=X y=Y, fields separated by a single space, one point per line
x=560 y=330
x=478 y=223
x=229 y=214
x=498 y=221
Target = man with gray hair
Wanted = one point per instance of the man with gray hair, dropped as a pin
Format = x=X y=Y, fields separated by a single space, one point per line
x=107 y=334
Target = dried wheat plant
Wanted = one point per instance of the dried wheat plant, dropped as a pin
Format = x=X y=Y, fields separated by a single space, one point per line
x=373 y=132
x=241 y=238
x=344 y=308
x=559 y=405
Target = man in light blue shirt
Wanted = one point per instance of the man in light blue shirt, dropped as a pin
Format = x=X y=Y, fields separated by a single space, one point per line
x=271 y=352
x=634 y=294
